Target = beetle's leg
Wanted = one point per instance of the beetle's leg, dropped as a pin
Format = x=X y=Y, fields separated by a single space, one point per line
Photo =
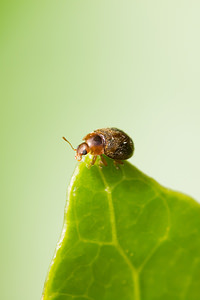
x=117 y=163
x=93 y=160
x=103 y=161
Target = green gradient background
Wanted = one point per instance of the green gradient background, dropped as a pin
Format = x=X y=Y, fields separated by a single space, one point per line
x=68 y=67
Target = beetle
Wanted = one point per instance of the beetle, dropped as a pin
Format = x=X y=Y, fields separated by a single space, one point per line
x=111 y=142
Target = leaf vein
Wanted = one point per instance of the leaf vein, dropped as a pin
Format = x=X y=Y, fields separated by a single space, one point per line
x=134 y=272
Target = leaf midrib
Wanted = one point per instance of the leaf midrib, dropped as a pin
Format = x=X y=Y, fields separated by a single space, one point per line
x=115 y=242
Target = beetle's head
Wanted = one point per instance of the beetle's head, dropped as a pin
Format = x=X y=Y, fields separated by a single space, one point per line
x=82 y=149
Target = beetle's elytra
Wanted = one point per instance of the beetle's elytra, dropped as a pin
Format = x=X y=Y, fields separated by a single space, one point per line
x=111 y=142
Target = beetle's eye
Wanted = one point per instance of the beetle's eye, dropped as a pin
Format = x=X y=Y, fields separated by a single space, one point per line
x=84 y=152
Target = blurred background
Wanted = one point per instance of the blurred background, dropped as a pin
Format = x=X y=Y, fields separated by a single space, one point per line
x=67 y=68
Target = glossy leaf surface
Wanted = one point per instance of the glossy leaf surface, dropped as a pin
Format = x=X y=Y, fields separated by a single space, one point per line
x=125 y=237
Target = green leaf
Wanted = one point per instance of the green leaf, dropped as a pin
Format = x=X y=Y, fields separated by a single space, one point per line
x=125 y=237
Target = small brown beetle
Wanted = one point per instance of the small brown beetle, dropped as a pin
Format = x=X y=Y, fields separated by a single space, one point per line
x=112 y=142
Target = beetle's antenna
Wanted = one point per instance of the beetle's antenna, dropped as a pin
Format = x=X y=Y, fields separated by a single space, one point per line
x=68 y=143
